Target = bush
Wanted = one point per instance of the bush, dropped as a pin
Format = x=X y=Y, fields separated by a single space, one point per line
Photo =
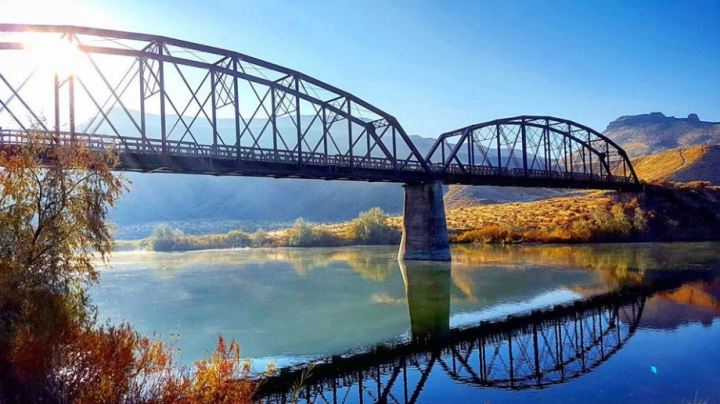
x=372 y=227
x=303 y=234
x=165 y=238
x=488 y=234
x=261 y=239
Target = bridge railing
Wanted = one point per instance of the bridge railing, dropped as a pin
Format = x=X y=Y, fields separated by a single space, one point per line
x=192 y=149
x=455 y=169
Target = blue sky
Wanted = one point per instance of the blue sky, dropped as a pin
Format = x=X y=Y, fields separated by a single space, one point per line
x=441 y=65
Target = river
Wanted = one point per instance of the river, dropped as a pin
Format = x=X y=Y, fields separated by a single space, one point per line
x=612 y=322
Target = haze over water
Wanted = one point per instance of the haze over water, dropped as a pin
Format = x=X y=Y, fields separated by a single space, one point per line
x=292 y=306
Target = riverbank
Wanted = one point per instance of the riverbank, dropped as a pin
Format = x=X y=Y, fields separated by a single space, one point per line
x=663 y=212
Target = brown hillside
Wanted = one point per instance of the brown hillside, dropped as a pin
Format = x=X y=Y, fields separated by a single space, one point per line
x=696 y=163
x=652 y=133
x=668 y=212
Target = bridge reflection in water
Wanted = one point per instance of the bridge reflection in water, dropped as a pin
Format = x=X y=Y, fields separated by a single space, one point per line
x=528 y=351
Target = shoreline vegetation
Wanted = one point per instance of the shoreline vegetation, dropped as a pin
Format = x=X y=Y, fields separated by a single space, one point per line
x=53 y=226
x=663 y=212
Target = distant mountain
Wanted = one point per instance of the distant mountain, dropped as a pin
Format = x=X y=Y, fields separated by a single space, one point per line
x=654 y=132
x=169 y=197
x=681 y=165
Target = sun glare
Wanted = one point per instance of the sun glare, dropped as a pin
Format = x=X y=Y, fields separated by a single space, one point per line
x=60 y=55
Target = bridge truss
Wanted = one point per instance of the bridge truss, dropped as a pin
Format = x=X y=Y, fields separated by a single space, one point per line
x=155 y=98
x=541 y=147
x=169 y=105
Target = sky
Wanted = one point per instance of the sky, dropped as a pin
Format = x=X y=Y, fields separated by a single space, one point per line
x=442 y=65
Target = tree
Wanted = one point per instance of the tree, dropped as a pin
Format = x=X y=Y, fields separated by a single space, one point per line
x=54 y=201
x=53 y=217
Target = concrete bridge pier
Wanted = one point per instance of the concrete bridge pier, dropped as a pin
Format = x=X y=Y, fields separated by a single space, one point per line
x=424 y=234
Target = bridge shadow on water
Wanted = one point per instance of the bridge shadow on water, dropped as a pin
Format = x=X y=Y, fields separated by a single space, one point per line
x=532 y=350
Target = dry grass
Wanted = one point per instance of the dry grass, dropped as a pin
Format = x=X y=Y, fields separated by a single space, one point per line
x=532 y=215
x=664 y=165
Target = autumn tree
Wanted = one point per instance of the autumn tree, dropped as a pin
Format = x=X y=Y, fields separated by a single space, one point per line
x=54 y=202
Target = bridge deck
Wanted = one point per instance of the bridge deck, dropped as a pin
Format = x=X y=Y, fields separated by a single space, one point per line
x=152 y=155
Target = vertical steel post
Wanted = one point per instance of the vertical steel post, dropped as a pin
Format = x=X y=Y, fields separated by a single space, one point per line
x=546 y=139
x=143 y=129
x=161 y=76
x=394 y=146
x=213 y=106
x=297 y=119
x=350 y=137
x=71 y=105
x=325 y=134
x=607 y=158
x=499 y=152
x=57 y=108
x=273 y=121
x=524 y=147
x=590 y=154
x=236 y=106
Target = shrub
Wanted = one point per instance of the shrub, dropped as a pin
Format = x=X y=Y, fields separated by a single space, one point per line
x=487 y=234
x=261 y=239
x=235 y=239
x=300 y=234
x=303 y=234
x=372 y=227
x=165 y=238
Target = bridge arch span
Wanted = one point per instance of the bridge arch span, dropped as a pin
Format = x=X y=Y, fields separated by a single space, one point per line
x=531 y=147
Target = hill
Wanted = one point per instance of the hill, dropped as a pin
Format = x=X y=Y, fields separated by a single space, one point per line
x=695 y=163
x=651 y=133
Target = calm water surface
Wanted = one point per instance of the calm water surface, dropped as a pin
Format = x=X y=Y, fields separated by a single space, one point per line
x=498 y=324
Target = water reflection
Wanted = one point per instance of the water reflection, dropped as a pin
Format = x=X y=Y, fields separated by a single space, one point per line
x=427 y=289
x=293 y=306
x=528 y=351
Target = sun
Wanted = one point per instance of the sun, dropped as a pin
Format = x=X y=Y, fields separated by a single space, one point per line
x=60 y=55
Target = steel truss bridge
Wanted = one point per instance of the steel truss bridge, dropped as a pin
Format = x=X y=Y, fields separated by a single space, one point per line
x=169 y=105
